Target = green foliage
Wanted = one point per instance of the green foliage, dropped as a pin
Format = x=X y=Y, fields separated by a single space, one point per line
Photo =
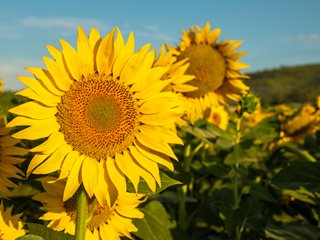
x=297 y=84
x=39 y=232
x=156 y=224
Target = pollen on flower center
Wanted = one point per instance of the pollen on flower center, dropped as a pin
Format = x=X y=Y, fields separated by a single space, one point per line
x=98 y=116
x=100 y=214
x=207 y=65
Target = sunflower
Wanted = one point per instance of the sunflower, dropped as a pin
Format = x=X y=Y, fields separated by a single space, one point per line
x=303 y=123
x=9 y=156
x=106 y=222
x=103 y=113
x=219 y=117
x=1 y=86
x=215 y=67
x=10 y=226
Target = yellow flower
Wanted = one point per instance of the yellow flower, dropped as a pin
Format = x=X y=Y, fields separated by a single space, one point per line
x=219 y=117
x=304 y=123
x=104 y=114
x=9 y=156
x=215 y=67
x=106 y=222
x=1 y=86
x=10 y=226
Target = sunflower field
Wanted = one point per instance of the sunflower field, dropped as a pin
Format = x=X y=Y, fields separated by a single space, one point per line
x=112 y=142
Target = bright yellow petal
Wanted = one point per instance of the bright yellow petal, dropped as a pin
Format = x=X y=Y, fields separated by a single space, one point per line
x=72 y=60
x=55 y=140
x=74 y=179
x=34 y=110
x=105 y=54
x=53 y=163
x=89 y=171
x=85 y=53
x=116 y=175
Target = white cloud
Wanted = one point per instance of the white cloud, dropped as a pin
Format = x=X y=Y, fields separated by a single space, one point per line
x=11 y=68
x=64 y=23
x=152 y=32
x=312 y=39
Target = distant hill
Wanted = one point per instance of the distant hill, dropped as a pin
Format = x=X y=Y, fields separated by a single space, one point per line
x=294 y=84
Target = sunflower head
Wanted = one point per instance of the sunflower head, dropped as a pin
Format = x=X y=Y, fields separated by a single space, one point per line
x=219 y=117
x=10 y=155
x=106 y=222
x=304 y=122
x=215 y=68
x=104 y=111
x=11 y=226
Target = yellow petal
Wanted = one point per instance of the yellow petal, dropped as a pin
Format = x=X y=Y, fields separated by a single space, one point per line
x=60 y=76
x=34 y=110
x=116 y=175
x=156 y=145
x=35 y=85
x=118 y=43
x=68 y=163
x=151 y=89
x=105 y=53
x=123 y=56
x=104 y=187
x=159 y=119
x=46 y=79
x=72 y=60
x=36 y=161
x=53 y=163
x=42 y=129
x=85 y=53
x=165 y=134
x=237 y=65
x=160 y=104
x=126 y=167
x=74 y=179
x=89 y=171
x=154 y=155
x=55 y=140
x=145 y=162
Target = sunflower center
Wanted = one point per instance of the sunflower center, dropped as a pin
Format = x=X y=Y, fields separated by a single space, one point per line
x=100 y=214
x=98 y=116
x=207 y=65
x=215 y=119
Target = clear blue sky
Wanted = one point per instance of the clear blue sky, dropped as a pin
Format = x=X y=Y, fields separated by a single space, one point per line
x=275 y=32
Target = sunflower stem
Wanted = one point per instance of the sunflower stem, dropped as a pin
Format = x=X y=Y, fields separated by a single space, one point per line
x=236 y=177
x=90 y=214
x=82 y=206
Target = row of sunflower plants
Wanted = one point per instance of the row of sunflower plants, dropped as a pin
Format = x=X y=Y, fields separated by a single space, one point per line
x=109 y=142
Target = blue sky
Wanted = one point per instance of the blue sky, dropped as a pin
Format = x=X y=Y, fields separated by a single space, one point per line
x=275 y=33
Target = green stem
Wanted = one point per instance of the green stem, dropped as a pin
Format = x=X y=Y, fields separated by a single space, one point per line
x=183 y=190
x=236 y=177
x=82 y=206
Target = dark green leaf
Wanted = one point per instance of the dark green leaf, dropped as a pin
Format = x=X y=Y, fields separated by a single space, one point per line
x=155 y=225
x=143 y=187
x=299 y=174
x=292 y=231
x=30 y=237
x=261 y=193
x=38 y=230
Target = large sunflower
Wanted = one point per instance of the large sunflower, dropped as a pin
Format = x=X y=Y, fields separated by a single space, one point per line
x=215 y=67
x=9 y=156
x=10 y=226
x=104 y=114
x=106 y=222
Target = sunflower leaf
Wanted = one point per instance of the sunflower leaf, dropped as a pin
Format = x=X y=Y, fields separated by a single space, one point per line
x=166 y=182
x=40 y=232
x=156 y=224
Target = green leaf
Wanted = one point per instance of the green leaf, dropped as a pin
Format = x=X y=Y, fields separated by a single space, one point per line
x=299 y=174
x=292 y=231
x=240 y=154
x=261 y=193
x=155 y=225
x=40 y=232
x=143 y=187
x=30 y=237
